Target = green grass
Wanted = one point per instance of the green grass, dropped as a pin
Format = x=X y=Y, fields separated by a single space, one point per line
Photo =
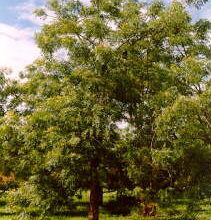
x=205 y=213
x=81 y=211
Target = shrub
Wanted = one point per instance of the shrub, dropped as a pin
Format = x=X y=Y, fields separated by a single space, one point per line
x=121 y=206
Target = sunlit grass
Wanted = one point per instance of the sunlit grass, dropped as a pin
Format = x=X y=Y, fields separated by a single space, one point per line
x=80 y=213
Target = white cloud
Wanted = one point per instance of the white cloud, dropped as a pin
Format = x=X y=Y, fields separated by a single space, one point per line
x=203 y=12
x=14 y=32
x=26 y=10
x=86 y=2
x=17 y=48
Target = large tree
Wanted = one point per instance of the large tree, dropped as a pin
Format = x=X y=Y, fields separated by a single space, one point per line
x=62 y=136
x=108 y=62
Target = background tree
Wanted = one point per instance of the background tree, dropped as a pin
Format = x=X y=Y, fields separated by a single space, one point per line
x=186 y=126
x=151 y=163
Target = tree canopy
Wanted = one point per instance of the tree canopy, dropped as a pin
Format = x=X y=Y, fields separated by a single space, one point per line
x=109 y=63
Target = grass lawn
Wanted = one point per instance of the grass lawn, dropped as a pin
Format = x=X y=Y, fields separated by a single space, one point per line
x=81 y=212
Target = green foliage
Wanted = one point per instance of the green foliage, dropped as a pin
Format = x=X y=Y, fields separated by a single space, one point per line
x=148 y=67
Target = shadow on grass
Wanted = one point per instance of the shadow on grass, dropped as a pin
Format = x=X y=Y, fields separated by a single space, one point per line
x=6 y=214
x=79 y=203
x=2 y=203
x=75 y=213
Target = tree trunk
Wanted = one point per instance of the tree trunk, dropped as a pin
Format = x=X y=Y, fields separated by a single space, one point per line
x=95 y=193
x=100 y=196
x=94 y=203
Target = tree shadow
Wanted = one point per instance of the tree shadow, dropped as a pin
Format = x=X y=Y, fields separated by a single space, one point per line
x=3 y=203
x=75 y=213
x=6 y=214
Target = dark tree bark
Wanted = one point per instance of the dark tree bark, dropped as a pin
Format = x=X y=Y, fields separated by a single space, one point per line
x=96 y=193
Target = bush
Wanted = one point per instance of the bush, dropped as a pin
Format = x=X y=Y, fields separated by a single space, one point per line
x=121 y=206
x=30 y=202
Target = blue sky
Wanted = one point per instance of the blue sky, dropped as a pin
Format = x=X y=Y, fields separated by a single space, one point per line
x=18 y=25
x=10 y=11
